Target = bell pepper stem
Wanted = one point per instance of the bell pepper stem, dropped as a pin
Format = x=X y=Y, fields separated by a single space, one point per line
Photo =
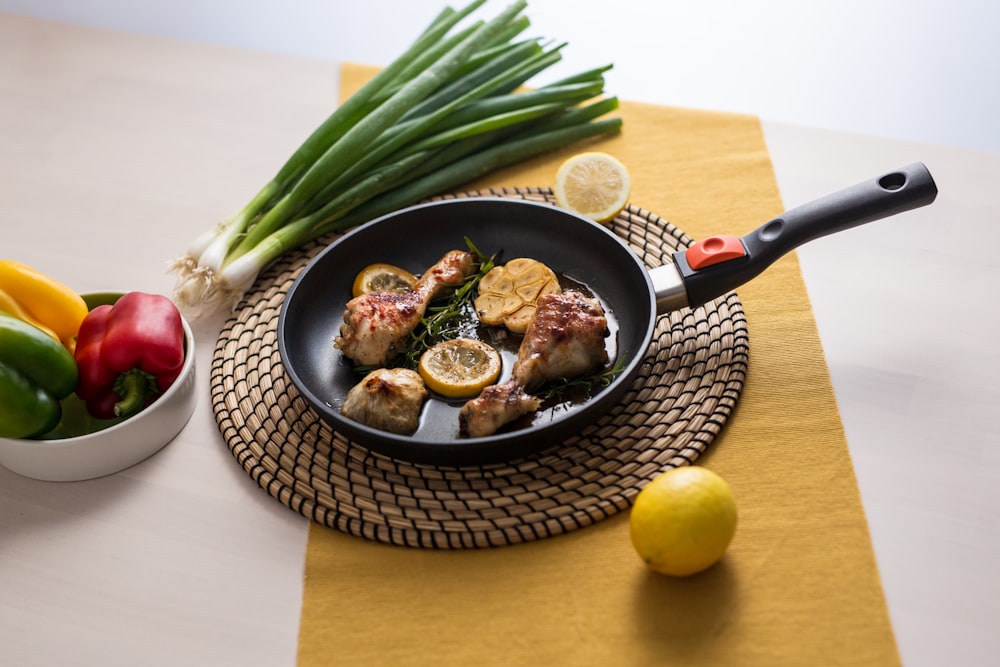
x=135 y=388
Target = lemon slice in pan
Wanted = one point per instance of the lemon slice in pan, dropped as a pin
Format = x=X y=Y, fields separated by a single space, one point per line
x=459 y=368
x=382 y=278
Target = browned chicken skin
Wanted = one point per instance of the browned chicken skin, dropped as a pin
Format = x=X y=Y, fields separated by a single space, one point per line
x=376 y=326
x=495 y=406
x=565 y=339
x=388 y=399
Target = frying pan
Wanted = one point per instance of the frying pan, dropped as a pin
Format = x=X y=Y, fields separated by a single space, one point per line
x=415 y=238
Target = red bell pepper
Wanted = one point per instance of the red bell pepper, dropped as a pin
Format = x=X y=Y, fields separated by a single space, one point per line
x=128 y=354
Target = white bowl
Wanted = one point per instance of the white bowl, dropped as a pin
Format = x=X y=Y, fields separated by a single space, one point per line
x=114 y=448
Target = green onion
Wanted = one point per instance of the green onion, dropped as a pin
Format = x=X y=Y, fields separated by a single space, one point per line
x=451 y=108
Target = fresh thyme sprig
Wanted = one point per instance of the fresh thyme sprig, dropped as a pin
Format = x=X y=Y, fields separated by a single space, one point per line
x=556 y=388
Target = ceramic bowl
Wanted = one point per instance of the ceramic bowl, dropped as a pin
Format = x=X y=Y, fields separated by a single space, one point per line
x=84 y=448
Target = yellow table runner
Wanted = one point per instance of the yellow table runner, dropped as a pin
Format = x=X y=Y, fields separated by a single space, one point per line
x=799 y=585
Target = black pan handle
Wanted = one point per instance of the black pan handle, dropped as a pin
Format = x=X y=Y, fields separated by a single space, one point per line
x=714 y=266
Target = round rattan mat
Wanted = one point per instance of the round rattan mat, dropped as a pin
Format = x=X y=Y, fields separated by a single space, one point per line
x=688 y=386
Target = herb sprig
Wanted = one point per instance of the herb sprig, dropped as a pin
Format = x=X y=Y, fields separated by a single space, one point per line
x=557 y=388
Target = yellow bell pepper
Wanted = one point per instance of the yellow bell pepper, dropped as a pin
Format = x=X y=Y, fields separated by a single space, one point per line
x=38 y=299
x=10 y=306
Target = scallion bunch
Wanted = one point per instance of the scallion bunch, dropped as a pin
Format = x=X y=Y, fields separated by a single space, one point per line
x=448 y=110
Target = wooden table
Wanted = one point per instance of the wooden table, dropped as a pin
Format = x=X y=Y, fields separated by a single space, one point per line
x=117 y=150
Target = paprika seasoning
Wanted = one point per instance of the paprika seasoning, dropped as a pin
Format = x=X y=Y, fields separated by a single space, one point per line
x=128 y=354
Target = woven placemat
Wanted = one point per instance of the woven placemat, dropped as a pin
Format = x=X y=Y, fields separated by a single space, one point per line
x=687 y=387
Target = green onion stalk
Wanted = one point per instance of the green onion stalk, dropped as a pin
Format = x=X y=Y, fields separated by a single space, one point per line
x=451 y=108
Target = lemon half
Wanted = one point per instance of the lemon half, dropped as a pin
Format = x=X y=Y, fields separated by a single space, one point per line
x=594 y=185
x=459 y=368
x=683 y=521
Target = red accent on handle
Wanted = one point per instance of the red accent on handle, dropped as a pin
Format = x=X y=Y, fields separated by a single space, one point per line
x=713 y=250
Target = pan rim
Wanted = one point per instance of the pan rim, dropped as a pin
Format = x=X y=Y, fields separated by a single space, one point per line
x=471 y=450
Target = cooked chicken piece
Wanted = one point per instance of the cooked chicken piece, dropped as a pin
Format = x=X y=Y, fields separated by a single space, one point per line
x=377 y=325
x=565 y=339
x=495 y=406
x=388 y=399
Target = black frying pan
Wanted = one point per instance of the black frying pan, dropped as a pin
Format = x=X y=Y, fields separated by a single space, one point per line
x=416 y=237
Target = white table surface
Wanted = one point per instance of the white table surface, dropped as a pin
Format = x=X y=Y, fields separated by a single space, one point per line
x=151 y=566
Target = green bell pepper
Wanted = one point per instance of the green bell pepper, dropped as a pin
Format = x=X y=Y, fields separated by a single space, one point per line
x=36 y=371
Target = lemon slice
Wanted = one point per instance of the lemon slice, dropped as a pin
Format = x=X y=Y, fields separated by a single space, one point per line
x=459 y=368
x=594 y=185
x=382 y=278
x=683 y=521
x=509 y=292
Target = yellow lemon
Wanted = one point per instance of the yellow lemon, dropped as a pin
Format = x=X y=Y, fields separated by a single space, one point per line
x=382 y=278
x=460 y=367
x=683 y=521
x=594 y=185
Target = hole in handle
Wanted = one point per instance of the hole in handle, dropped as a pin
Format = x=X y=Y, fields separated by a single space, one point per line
x=893 y=181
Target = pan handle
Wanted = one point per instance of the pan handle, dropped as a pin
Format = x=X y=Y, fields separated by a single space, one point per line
x=714 y=266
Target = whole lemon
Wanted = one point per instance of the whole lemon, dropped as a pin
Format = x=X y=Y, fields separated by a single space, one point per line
x=683 y=521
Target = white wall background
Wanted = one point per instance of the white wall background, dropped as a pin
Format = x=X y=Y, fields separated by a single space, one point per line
x=924 y=70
